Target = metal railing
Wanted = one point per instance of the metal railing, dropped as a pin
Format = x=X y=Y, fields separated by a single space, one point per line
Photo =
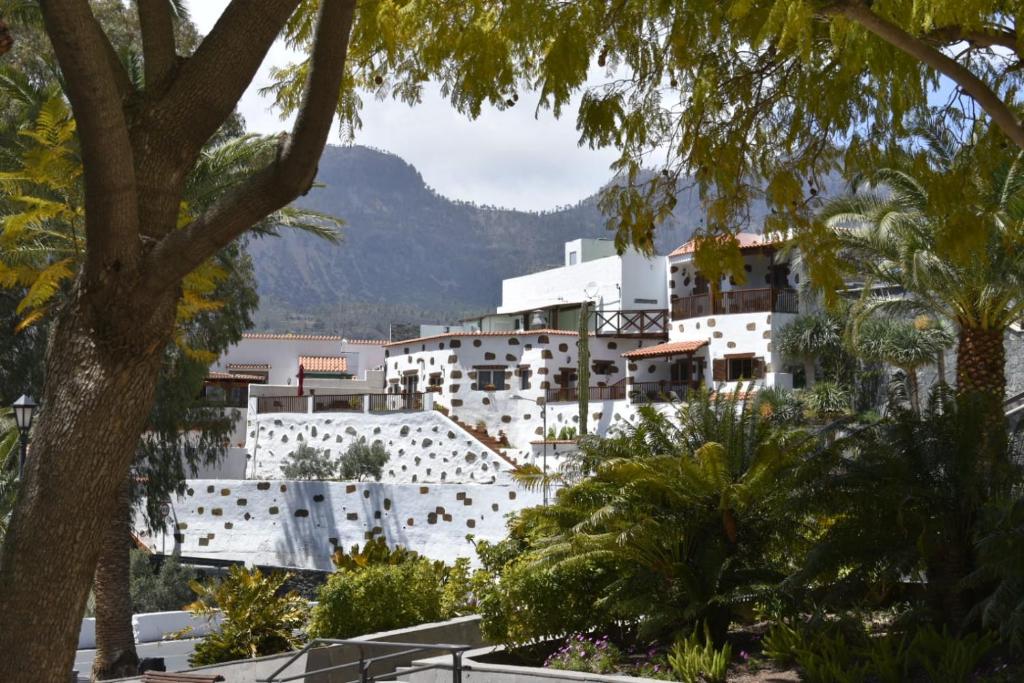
x=764 y=300
x=338 y=403
x=657 y=392
x=365 y=663
x=282 y=404
x=648 y=323
x=615 y=392
x=395 y=403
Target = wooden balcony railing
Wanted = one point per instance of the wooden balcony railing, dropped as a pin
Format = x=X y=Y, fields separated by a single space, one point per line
x=615 y=392
x=764 y=300
x=657 y=392
x=644 y=324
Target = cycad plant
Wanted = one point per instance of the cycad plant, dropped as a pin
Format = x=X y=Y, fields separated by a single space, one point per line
x=685 y=518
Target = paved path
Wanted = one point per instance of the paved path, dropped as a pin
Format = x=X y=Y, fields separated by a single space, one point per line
x=174 y=652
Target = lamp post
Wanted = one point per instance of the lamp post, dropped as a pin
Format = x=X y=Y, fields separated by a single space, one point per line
x=544 y=443
x=24 y=411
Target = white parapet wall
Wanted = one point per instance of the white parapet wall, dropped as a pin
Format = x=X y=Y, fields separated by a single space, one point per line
x=425 y=446
x=300 y=523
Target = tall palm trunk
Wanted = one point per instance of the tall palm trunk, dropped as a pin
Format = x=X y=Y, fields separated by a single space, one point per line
x=809 y=371
x=981 y=384
x=115 y=639
x=913 y=389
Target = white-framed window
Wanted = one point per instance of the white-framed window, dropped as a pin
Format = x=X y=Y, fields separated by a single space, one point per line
x=490 y=379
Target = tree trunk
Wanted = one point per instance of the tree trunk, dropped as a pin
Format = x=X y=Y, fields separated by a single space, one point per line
x=809 y=371
x=981 y=388
x=100 y=381
x=115 y=638
x=913 y=390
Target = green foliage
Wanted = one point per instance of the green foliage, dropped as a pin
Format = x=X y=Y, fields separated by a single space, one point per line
x=309 y=463
x=257 y=619
x=695 y=659
x=580 y=653
x=384 y=594
x=374 y=552
x=567 y=433
x=168 y=588
x=949 y=658
x=681 y=520
x=363 y=460
x=782 y=642
x=1000 y=576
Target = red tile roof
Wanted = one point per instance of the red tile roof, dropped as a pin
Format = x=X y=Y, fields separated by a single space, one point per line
x=216 y=376
x=747 y=240
x=324 y=363
x=516 y=333
x=249 y=366
x=288 y=336
x=666 y=349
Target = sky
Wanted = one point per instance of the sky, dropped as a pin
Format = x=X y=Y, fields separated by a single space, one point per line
x=503 y=158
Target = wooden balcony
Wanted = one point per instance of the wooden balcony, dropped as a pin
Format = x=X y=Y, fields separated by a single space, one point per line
x=764 y=300
x=615 y=392
x=639 y=324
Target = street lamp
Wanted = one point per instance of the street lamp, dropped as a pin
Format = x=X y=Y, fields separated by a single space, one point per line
x=24 y=411
x=544 y=444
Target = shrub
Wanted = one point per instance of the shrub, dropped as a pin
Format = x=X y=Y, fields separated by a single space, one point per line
x=158 y=591
x=308 y=463
x=257 y=619
x=696 y=660
x=366 y=597
x=581 y=653
x=363 y=460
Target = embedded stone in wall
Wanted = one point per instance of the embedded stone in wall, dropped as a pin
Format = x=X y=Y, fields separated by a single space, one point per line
x=431 y=518
x=424 y=489
x=511 y=495
x=456 y=402
x=545 y=385
x=711 y=322
x=454 y=388
x=467 y=501
x=203 y=542
x=506 y=418
x=455 y=343
x=352 y=516
x=404 y=431
x=512 y=341
x=312 y=430
x=486 y=401
x=632 y=367
x=510 y=357
x=613 y=345
x=191 y=492
x=769 y=350
x=477 y=342
x=731 y=345
x=318 y=498
x=456 y=374
x=494 y=507
x=350 y=430
x=241 y=501
x=717 y=334
x=211 y=489
x=489 y=356
x=546 y=353
x=563 y=347
x=247 y=516
x=542 y=371
x=387 y=503
x=766 y=334
x=751 y=326
x=410 y=522
x=199 y=510
x=426 y=443
x=351 y=488
x=284 y=487
x=274 y=510
x=229 y=525
x=302 y=513
x=366 y=493
x=217 y=512
x=471 y=523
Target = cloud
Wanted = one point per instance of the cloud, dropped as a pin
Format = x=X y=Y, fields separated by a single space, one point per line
x=505 y=158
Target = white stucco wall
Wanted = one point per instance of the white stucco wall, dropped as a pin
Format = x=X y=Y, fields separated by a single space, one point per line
x=282 y=353
x=566 y=285
x=298 y=524
x=425 y=446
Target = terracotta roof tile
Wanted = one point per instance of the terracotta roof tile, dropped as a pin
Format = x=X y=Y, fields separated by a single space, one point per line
x=666 y=349
x=248 y=366
x=288 y=336
x=324 y=363
x=747 y=240
x=515 y=333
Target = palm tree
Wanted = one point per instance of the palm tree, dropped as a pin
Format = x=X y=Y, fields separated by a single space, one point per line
x=943 y=237
x=907 y=345
x=808 y=338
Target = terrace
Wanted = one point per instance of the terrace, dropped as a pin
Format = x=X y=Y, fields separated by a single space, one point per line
x=762 y=300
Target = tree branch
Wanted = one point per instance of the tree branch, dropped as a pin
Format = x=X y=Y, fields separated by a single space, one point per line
x=998 y=36
x=158 y=51
x=288 y=176
x=95 y=82
x=209 y=84
x=1001 y=114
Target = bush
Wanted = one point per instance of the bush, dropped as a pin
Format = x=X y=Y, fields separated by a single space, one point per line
x=162 y=590
x=257 y=619
x=363 y=460
x=580 y=653
x=308 y=463
x=373 y=592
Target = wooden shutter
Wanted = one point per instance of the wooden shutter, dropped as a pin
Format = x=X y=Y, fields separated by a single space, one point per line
x=758 y=370
x=718 y=369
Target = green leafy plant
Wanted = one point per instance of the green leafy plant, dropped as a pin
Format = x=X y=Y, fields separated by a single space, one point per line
x=583 y=653
x=257 y=619
x=374 y=552
x=168 y=588
x=782 y=643
x=695 y=659
x=363 y=460
x=948 y=658
x=308 y=463
x=378 y=590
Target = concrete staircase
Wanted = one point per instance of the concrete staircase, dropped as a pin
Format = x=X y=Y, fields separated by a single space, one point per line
x=486 y=440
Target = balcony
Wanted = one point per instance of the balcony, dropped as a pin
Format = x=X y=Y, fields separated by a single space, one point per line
x=343 y=403
x=639 y=324
x=615 y=392
x=764 y=300
x=658 y=392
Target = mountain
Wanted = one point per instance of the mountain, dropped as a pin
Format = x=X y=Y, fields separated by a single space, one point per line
x=410 y=255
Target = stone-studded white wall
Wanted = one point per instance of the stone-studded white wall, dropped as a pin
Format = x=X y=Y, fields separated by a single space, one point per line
x=299 y=523
x=425 y=446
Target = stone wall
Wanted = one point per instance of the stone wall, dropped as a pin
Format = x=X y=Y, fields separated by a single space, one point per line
x=300 y=523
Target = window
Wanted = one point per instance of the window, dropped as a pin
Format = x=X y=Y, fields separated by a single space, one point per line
x=740 y=368
x=490 y=379
x=602 y=367
x=434 y=380
x=572 y=258
x=524 y=378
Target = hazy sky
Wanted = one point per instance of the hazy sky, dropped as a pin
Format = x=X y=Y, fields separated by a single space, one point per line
x=504 y=158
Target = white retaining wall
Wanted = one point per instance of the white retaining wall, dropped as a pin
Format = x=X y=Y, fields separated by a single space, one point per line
x=153 y=627
x=299 y=523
